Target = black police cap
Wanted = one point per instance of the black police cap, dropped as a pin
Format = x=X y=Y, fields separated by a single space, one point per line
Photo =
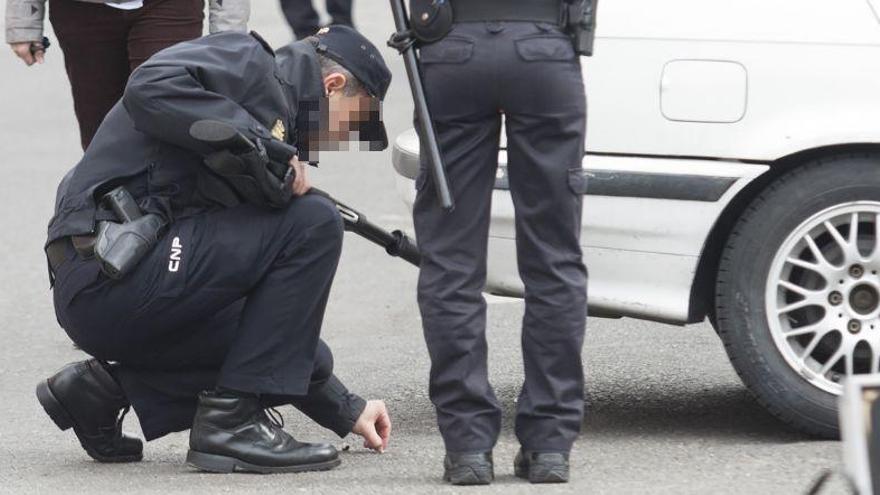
x=356 y=53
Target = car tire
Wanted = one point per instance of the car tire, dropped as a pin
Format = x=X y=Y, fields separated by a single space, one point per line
x=778 y=353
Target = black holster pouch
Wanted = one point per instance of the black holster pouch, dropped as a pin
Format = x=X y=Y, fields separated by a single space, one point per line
x=579 y=21
x=430 y=20
x=254 y=176
x=120 y=246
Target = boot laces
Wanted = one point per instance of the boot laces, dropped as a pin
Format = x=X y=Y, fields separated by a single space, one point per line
x=117 y=430
x=274 y=416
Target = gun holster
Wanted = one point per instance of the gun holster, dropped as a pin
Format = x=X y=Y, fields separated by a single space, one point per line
x=120 y=246
x=579 y=21
x=430 y=20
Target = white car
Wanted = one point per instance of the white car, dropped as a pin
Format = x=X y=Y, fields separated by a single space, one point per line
x=733 y=159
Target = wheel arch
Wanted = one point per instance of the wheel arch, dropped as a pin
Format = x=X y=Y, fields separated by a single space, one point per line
x=702 y=294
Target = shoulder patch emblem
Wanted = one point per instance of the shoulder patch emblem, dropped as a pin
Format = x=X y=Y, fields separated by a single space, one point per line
x=278 y=130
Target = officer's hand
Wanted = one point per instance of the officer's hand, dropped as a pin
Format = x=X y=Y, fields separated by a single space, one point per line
x=301 y=184
x=23 y=50
x=374 y=425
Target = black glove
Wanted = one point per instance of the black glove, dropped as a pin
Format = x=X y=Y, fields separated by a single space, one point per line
x=256 y=178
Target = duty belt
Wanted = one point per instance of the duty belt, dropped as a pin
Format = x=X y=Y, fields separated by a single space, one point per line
x=57 y=250
x=506 y=10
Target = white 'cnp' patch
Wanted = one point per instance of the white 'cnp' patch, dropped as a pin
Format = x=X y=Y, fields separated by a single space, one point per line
x=176 y=255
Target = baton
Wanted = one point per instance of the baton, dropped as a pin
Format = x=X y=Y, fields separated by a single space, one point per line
x=403 y=42
x=223 y=136
x=396 y=243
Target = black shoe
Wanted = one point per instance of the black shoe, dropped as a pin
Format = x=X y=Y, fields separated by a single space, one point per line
x=541 y=467
x=468 y=468
x=235 y=433
x=85 y=397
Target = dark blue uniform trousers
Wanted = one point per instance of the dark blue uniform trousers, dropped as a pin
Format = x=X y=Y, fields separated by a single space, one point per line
x=528 y=74
x=233 y=298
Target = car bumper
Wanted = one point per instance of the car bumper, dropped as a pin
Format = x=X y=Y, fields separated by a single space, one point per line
x=641 y=241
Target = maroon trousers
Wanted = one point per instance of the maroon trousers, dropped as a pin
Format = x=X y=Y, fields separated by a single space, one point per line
x=102 y=45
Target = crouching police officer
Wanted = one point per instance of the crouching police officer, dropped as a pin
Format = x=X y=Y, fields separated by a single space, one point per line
x=516 y=60
x=221 y=317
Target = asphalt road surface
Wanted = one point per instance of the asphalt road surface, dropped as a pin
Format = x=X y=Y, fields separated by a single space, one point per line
x=666 y=412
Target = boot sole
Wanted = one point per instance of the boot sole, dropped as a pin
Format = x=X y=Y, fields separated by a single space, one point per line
x=468 y=475
x=223 y=464
x=64 y=421
x=53 y=407
x=542 y=473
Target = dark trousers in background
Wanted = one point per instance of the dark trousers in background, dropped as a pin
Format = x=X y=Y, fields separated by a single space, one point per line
x=304 y=19
x=528 y=74
x=233 y=298
x=102 y=45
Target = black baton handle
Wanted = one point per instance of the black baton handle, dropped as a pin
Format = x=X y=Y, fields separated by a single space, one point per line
x=428 y=136
x=405 y=248
x=395 y=243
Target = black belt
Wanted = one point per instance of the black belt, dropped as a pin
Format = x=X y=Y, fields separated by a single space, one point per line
x=506 y=10
x=57 y=250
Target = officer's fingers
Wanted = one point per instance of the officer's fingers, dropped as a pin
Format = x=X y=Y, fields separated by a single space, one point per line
x=383 y=427
x=372 y=440
x=383 y=423
x=301 y=188
x=40 y=56
x=306 y=185
x=297 y=185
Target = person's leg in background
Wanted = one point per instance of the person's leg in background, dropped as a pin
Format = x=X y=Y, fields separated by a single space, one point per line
x=93 y=40
x=545 y=148
x=160 y=24
x=453 y=244
x=340 y=12
x=302 y=17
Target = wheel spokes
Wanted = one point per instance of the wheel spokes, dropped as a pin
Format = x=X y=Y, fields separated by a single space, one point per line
x=808 y=297
x=853 y=236
x=832 y=361
x=848 y=246
x=835 y=234
x=807 y=329
x=813 y=267
x=819 y=304
x=811 y=347
x=817 y=253
x=876 y=251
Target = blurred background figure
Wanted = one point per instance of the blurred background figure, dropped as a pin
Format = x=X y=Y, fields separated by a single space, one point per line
x=305 y=21
x=104 y=41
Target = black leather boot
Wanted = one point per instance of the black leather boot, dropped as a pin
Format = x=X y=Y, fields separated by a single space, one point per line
x=541 y=467
x=473 y=468
x=85 y=397
x=235 y=433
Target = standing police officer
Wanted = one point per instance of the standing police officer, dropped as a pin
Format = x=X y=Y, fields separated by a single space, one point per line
x=221 y=316
x=510 y=60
